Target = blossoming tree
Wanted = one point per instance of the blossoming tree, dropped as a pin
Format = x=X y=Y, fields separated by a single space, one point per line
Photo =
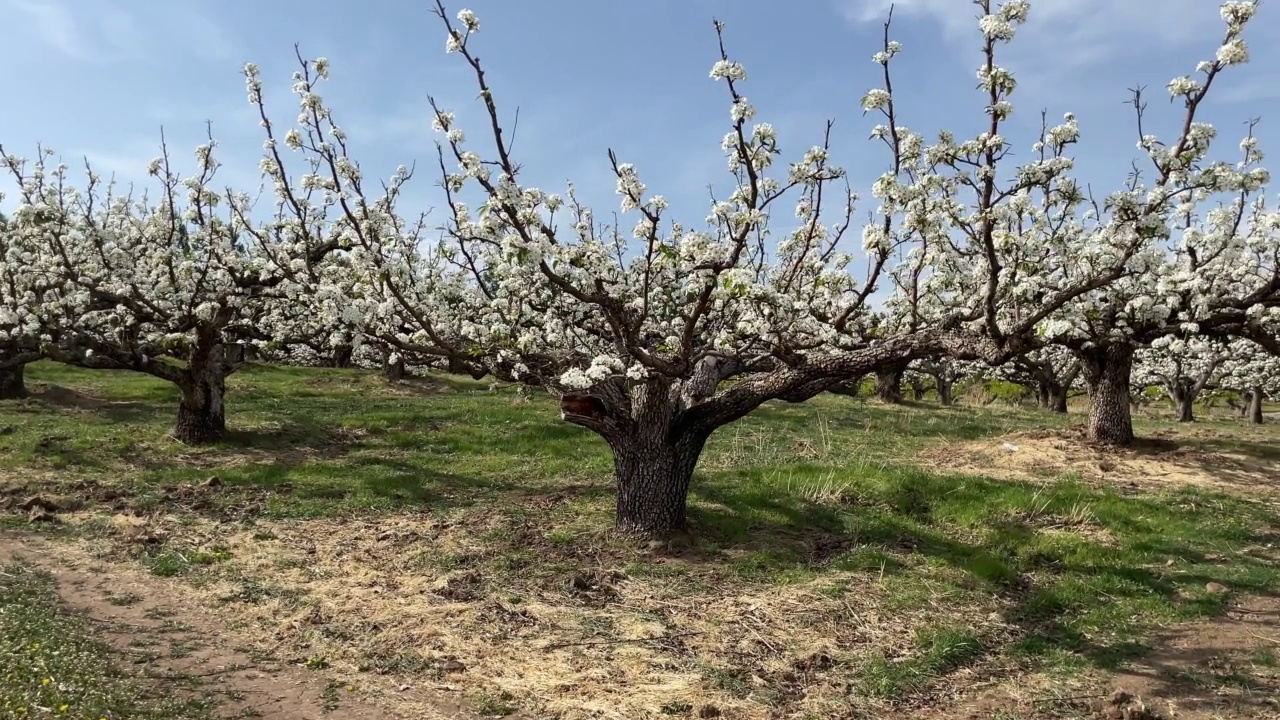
x=1184 y=368
x=637 y=330
x=1188 y=270
x=190 y=275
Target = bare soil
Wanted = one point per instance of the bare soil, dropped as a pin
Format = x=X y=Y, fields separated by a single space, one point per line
x=1151 y=464
x=164 y=636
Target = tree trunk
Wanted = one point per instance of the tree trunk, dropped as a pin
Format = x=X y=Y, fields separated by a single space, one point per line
x=1057 y=399
x=13 y=383
x=889 y=383
x=944 y=391
x=393 y=371
x=1042 y=395
x=201 y=413
x=1255 y=405
x=1186 y=407
x=1106 y=371
x=653 y=475
x=342 y=356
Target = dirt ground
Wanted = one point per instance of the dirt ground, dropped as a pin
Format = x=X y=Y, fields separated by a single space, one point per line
x=1162 y=461
x=164 y=636
x=1199 y=671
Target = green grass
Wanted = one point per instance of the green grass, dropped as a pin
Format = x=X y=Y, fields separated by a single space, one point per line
x=826 y=495
x=51 y=665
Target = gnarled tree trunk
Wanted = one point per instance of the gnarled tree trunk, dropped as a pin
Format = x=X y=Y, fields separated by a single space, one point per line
x=653 y=473
x=889 y=383
x=655 y=450
x=1106 y=371
x=201 y=411
x=1185 y=402
x=13 y=383
x=1255 y=405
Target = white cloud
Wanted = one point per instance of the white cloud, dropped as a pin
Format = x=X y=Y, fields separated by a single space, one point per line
x=1068 y=33
x=107 y=31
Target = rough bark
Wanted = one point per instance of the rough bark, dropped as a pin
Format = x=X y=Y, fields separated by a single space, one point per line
x=889 y=383
x=653 y=473
x=1106 y=372
x=13 y=382
x=1255 y=406
x=201 y=411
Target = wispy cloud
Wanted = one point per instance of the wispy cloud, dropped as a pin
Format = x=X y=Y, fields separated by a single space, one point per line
x=1069 y=34
x=107 y=31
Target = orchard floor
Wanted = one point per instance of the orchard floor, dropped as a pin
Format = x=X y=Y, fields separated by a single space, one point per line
x=438 y=549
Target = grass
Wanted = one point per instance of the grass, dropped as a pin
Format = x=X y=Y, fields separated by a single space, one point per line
x=823 y=556
x=51 y=664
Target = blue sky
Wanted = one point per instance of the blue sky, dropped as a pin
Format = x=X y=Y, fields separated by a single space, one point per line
x=99 y=78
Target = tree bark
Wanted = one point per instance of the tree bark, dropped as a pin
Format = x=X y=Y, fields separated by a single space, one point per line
x=1107 y=371
x=1058 y=399
x=653 y=475
x=1255 y=406
x=201 y=411
x=889 y=383
x=13 y=382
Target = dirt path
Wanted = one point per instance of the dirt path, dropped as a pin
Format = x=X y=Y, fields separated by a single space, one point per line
x=165 y=638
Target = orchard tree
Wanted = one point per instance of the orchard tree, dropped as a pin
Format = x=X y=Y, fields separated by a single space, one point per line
x=1188 y=270
x=23 y=318
x=945 y=373
x=1049 y=372
x=1254 y=371
x=638 y=329
x=1184 y=368
x=189 y=275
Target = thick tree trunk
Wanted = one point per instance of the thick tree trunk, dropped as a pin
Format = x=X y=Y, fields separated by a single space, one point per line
x=944 y=391
x=13 y=382
x=1058 y=399
x=889 y=383
x=1106 y=371
x=653 y=475
x=201 y=412
x=1255 y=406
x=1186 y=407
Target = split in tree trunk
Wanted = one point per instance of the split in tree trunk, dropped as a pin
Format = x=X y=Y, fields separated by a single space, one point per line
x=1106 y=371
x=889 y=383
x=201 y=413
x=917 y=390
x=13 y=382
x=1255 y=406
